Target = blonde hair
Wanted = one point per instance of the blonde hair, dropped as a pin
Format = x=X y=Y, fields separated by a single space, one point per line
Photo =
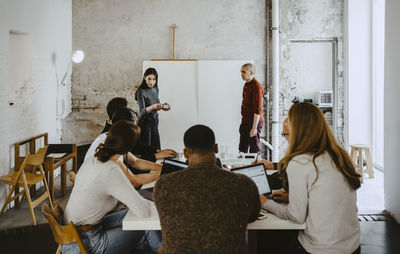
x=311 y=134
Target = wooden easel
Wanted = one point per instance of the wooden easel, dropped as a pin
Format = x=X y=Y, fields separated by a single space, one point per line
x=173 y=27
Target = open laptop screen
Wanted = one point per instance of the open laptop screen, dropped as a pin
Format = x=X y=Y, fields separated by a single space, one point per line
x=170 y=166
x=258 y=175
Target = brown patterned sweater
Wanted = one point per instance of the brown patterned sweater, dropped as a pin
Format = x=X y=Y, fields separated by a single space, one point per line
x=204 y=209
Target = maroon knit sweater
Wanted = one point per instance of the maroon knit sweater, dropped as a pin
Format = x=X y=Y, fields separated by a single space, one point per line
x=252 y=101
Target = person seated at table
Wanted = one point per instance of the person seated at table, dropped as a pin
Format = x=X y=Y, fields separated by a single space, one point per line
x=275 y=179
x=322 y=184
x=203 y=208
x=113 y=105
x=151 y=171
x=100 y=183
x=145 y=152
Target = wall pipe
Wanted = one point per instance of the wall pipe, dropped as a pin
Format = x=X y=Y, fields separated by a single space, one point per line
x=268 y=79
x=275 y=80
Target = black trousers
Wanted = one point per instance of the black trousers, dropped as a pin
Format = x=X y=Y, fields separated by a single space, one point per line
x=149 y=131
x=282 y=242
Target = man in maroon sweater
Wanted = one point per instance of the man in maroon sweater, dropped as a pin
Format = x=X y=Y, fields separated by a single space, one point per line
x=251 y=110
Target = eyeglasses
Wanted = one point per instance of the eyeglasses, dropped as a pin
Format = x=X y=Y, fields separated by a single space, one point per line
x=284 y=134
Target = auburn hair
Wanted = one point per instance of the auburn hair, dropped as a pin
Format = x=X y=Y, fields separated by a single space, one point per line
x=311 y=134
x=121 y=139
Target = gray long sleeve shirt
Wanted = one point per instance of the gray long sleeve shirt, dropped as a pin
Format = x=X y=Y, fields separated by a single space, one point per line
x=328 y=206
x=147 y=97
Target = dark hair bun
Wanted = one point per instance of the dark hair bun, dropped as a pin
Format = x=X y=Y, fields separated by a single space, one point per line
x=121 y=139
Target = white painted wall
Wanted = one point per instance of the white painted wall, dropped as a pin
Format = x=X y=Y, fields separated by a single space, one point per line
x=359 y=71
x=392 y=116
x=378 y=76
x=49 y=24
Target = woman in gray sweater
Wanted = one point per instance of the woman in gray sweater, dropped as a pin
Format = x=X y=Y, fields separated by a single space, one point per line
x=322 y=184
x=149 y=105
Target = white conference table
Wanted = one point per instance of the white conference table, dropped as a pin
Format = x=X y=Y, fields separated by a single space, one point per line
x=272 y=222
x=133 y=222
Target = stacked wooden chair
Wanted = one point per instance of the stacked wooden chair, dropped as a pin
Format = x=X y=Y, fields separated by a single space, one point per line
x=28 y=174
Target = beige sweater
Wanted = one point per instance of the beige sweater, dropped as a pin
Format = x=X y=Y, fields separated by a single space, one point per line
x=328 y=207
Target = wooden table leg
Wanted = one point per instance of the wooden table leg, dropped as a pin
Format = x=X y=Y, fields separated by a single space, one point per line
x=370 y=169
x=75 y=164
x=360 y=165
x=63 y=179
x=51 y=184
x=16 y=201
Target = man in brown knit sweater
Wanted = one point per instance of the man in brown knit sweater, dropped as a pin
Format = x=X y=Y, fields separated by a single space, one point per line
x=203 y=208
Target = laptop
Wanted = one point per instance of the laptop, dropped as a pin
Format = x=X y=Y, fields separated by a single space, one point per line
x=169 y=166
x=259 y=176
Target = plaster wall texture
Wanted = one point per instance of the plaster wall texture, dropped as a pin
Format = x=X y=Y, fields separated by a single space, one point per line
x=117 y=36
x=392 y=116
x=310 y=20
x=49 y=25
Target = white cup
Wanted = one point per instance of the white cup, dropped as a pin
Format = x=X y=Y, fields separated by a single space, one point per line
x=223 y=150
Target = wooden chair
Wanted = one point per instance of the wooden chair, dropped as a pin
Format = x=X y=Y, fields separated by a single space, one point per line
x=25 y=177
x=62 y=234
x=50 y=163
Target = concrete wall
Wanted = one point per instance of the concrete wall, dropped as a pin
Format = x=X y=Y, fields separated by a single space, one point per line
x=119 y=35
x=311 y=20
x=392 y=116
x=48 y=23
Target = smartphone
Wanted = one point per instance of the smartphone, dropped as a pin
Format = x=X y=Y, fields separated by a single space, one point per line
x=262 y=215
x=166 y=106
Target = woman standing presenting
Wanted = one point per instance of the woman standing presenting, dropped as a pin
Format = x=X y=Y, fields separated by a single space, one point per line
x=149 y=104
x=322 y=184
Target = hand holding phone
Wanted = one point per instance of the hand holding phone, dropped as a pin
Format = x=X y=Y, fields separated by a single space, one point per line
x=166 y=106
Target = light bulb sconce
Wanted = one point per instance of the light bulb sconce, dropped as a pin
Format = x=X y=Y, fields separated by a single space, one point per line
x=77 y=57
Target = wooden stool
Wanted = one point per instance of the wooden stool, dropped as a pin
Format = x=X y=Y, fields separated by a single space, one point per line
x=358 y=149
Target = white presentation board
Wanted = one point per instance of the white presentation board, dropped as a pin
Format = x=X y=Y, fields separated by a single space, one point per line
x=206 y=92
x=220 y=87
x=177 y=85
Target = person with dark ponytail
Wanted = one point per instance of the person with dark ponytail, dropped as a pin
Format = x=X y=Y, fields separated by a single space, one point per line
x=143 y=171
x=101 y=182
x=322 y=183
x=142 y=151
x=149 y=105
